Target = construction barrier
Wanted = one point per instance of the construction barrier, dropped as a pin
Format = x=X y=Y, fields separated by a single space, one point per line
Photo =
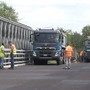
x=22 y=57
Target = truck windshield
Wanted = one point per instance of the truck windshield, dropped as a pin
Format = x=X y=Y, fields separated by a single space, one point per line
x=46 y=37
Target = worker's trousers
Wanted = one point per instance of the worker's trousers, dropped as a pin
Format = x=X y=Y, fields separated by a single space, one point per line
x=12 y=60
x=1 y=62
x=68 y=61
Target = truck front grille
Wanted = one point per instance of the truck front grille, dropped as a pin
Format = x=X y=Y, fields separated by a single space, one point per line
x=45 y=53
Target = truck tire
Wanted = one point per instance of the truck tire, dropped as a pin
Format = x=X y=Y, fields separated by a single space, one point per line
x=35 y=62
x=59 y=61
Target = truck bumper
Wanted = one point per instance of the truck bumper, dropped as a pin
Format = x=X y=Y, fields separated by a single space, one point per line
x=46 y=58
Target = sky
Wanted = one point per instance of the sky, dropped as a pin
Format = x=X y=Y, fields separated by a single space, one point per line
x=66 y=14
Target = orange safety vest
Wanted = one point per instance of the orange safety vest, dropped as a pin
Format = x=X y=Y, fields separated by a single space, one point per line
x=81 y=53
x=69 y=51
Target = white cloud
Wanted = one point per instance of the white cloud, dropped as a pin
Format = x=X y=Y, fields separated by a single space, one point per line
x=73 y=14
x=48 y=13
x=45 y=2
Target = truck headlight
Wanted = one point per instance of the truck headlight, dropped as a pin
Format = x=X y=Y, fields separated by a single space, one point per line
x=34 y=53
x=57 y=54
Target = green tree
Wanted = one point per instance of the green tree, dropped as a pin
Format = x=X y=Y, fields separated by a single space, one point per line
x=8 y=12
x=75 y=39
x=69 y=34
x=85 y=32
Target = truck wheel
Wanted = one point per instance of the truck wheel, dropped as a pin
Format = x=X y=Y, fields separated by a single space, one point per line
x=30 y=62
x=62 y=61
x=35 y=62
x=58 y=61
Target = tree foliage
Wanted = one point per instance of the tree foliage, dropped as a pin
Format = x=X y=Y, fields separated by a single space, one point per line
x=8 y=12
x=77 y=39
x=86 y=31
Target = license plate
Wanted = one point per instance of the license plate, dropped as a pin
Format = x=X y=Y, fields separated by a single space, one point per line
x=44 y=54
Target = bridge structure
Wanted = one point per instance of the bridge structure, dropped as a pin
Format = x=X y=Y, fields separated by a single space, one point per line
x=19 y=34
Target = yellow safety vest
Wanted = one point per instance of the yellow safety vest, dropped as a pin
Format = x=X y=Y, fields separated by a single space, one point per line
x=14 y=49
x=1 y=52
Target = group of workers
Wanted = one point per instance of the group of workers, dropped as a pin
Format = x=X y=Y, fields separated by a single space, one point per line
x=67 y=55
x=12 y=54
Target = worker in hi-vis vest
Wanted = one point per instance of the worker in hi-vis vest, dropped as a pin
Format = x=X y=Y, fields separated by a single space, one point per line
x=68 y=55
x=81 y=56
x=12 y=54
x=2 y=55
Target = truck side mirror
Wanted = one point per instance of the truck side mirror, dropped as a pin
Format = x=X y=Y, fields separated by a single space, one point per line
x=62 y=39
x=31 y=37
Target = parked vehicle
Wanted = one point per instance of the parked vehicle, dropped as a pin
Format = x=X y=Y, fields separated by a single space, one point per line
x=87 y=49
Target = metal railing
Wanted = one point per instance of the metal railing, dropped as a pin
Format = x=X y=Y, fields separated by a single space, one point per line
x=21 y=57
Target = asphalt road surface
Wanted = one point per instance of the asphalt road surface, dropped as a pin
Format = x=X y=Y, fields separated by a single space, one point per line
x=46 y=77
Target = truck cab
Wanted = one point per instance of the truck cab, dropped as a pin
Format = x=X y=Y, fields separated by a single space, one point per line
x=87 y=50
x=48 y=44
